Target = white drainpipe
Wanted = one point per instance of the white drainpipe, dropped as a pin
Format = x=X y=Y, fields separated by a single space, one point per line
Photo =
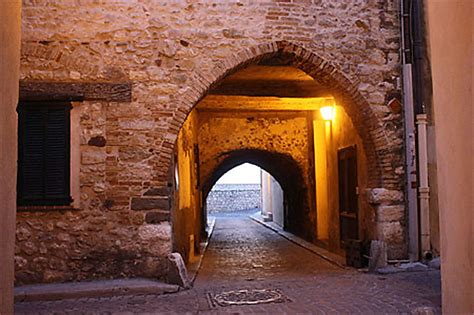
x=423 y=189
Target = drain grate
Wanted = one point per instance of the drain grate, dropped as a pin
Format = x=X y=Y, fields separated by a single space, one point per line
x=247 y=297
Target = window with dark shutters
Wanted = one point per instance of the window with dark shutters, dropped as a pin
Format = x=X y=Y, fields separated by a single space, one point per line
x=43 y=153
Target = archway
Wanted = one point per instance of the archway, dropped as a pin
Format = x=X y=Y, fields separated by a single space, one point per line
x=379 y=147
x=378 y=144
x=286 y=171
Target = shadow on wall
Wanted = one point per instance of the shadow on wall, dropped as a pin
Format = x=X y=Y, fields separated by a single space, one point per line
x=286 y=171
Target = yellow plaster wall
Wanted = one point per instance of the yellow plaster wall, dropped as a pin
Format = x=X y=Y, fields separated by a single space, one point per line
x=450 y=47
x=329 y=137
x=187 y=215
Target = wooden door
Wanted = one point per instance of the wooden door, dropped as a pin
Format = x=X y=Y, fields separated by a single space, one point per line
x=348 y=194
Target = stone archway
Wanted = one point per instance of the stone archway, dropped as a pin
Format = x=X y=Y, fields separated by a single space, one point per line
x=382 y=147
x=378 y=145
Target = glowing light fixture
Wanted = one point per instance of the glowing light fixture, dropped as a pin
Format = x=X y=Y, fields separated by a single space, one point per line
x=328 y=112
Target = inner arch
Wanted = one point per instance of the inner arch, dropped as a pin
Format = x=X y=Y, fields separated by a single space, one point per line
x=285 y=170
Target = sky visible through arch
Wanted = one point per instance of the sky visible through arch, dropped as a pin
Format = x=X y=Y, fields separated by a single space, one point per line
x=243 y=174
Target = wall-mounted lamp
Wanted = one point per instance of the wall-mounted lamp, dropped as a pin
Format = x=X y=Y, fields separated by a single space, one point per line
x=328 y=112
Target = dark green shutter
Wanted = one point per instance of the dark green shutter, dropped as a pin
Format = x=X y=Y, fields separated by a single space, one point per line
x=43 y=153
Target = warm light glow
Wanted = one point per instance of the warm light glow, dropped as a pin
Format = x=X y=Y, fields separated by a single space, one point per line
x=328 y=112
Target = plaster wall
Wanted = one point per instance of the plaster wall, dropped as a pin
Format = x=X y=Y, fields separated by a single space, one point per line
x=9 y=68
x=385 y=222
x=452 y=102
x=272 y=198
x=187 y=214
x=172 y=52
x=340 y=134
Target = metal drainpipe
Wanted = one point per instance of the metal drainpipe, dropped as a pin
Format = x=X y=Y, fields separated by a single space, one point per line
x=410 y=145
x=421 y=121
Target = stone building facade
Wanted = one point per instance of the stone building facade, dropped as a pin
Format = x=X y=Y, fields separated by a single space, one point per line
x=145 y=65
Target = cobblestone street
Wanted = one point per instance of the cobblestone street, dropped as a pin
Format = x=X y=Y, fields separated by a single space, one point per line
x=242 y=254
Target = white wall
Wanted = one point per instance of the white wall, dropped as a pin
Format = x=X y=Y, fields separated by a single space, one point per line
x=272 y=198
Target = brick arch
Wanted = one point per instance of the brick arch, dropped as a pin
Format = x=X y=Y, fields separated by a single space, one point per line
x=285 y=169
x=379 y=146
x=80 y=59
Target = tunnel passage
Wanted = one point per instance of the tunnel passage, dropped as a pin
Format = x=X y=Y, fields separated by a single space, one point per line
x=273 y=102
x=288 y=174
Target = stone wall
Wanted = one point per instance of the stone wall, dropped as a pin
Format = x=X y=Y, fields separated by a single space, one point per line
x=171 y=53
x=233 y=197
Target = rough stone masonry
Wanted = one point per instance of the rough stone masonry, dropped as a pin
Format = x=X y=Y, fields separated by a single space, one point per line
x=171 y=52
x=233 y=197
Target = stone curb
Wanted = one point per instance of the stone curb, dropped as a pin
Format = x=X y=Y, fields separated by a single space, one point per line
x=102 y=288
x=326 y=255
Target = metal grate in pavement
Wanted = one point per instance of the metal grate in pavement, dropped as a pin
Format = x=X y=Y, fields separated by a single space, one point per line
x=246 y=297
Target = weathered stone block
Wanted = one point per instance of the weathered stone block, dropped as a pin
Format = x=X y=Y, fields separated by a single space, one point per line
x=132 y=154
x=155 y=232
x=391 y=232
x=378 y=255
x=232 y=33
x=93 y=157
x=137 y=124
x=157 y=217
x=382 y=195
x=158 y=191
x=22 y=233
x=98 y=141
x=177 y=273
x=150 y=204
x=390 y=213
x=108 y=203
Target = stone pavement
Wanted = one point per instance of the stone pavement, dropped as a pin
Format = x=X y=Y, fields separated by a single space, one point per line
x=242 y=254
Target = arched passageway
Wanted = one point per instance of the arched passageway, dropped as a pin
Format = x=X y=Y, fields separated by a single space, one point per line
x=286 y=171
x=263 y=107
